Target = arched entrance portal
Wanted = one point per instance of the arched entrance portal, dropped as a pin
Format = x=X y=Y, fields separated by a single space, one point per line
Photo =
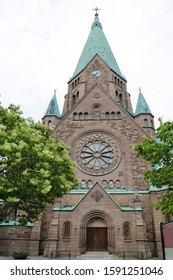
x=97 y=232
x=97 y=235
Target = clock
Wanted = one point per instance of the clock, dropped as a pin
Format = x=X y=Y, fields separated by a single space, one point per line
x=96 y=73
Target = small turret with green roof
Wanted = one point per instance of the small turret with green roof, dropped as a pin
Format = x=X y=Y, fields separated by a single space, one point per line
x=144 y=116
x=142 y=106
x=52 y=114
x=53 y=108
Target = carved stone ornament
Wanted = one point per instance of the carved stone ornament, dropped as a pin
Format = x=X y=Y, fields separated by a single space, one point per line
x=97 y=196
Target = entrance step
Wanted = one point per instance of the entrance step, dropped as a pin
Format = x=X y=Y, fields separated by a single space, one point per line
x=96 y=255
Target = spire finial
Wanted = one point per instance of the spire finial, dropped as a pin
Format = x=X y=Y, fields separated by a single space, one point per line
x=96 y=10
x=140 y=89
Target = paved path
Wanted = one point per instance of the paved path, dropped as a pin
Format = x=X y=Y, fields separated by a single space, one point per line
x=88 y=256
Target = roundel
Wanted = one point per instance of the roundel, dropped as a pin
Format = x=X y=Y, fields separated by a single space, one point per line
x=97 y=154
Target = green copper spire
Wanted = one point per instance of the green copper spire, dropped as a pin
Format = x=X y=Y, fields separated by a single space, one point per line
x=142 y=106
x=97 y=44
x=53 y=109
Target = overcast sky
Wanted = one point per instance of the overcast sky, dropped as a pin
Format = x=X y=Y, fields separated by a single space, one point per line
x=41 y=41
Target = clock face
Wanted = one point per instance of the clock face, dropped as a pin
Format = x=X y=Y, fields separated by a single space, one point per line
x=96 y=73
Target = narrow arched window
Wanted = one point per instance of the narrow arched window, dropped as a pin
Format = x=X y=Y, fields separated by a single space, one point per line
x=104 y=184
x=75 y=116
x=145 y=122
x=90 y=184
x=107 y=115
x=83 y=184
x=77 y=96
x=66 y=230
x=118 y=115
x=113 y=115
x=118 y=184
x=73 y=100
x=81 y=116
x=49 y=123
x=86 y=117
x=126 y=231
x=111 y=184
x=121 y=98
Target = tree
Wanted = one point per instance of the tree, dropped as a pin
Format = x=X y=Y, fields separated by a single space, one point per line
x=35 y=168
x=160 y=155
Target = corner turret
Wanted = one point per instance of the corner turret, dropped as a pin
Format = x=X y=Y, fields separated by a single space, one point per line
x=144 y=116
x=52 y=114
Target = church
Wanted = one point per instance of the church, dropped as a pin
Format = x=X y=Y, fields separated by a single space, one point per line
x=111 y=208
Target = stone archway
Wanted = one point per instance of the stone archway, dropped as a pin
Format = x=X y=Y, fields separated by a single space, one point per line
x=97 y=232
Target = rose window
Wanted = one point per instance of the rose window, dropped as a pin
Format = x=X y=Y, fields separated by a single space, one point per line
x=97 y=154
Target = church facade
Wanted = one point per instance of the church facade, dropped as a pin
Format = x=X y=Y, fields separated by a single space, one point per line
x=111 y=208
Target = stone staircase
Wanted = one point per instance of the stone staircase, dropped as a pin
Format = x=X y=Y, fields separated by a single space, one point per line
x=96 y=255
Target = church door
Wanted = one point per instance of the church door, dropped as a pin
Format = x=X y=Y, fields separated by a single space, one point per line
x=96 y=238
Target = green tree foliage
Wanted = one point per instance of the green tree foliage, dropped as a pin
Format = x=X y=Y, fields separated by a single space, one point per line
x=34 y=167
x=160 y=155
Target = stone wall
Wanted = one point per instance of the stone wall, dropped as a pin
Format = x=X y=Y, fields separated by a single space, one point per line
x=14 y=238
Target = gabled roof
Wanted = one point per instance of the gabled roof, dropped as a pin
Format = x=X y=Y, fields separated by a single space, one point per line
x=142 y=106
x=53 y=108
x=98 y=192
x=97 y=44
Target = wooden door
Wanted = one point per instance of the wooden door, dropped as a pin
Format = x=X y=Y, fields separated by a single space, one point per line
x=97 y=239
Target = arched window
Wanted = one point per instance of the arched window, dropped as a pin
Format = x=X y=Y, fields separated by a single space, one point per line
x=81 y=116
x=145 y=122
x=66 y=230
x=111 y=184
x=152 y=124
x=86 y=117
x=126 y=231
x=90 y=183
x=107 y=115
x=73 y=100
x=83 y=184
x=116 y=95
x=121 y=98
x=118 y=115
x=105 y=184
x=113 y=115
x=77 y=96
x=75 y=116
x=118 y=184
x=49 y=123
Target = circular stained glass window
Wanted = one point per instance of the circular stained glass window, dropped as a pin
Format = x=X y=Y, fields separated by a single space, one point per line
x=97 y=154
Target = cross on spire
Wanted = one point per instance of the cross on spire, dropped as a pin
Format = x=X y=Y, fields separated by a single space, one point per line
x=96 y=10
x=140 y=89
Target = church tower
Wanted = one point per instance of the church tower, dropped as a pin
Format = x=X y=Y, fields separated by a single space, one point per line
x=110 y=209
